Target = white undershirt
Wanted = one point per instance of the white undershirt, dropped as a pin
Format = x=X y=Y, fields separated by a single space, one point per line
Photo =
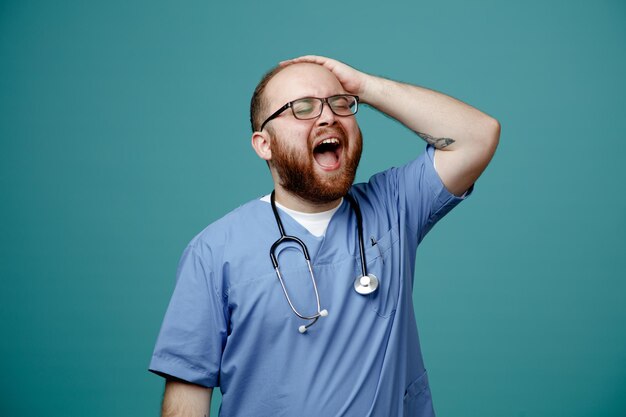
x=315 y=223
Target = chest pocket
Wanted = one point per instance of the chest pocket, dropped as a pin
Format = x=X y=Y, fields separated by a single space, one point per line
x=382 y=256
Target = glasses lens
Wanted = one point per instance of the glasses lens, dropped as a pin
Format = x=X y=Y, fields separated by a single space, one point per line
x=343 y=105
x=306 y=108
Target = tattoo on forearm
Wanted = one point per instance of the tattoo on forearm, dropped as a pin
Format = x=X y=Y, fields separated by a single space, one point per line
x=438 y=143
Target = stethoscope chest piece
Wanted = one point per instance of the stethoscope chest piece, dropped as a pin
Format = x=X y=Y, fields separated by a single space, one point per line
x=366 y=284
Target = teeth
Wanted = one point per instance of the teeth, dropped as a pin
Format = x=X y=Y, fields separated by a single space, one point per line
x=333 y=141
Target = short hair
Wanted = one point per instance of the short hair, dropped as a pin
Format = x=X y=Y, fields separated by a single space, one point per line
x=259 y=103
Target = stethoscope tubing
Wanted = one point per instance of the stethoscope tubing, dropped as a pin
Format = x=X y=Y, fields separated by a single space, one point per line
x=286 y=238
x=360 y=287
x=359 y=226
x=282 y=284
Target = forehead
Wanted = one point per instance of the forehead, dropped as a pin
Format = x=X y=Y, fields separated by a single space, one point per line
x=301 y=80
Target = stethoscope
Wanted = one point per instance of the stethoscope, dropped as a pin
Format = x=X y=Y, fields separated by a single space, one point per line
x=363 y=284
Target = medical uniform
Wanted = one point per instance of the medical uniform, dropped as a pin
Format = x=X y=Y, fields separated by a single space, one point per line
x=228 y=323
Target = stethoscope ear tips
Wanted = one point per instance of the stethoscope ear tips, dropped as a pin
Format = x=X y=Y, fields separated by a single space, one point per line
x=303 y=328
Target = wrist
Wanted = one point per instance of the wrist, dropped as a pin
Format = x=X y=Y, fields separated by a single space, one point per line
x=372 y=88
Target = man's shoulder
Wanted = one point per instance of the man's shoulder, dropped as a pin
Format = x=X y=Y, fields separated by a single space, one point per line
x=232 y=224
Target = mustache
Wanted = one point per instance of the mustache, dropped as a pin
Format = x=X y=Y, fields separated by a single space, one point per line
x=337 y=132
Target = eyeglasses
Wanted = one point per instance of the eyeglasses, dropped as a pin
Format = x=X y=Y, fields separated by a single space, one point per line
x=311 y=107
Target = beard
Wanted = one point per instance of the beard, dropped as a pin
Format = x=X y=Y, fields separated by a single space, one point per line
x=298 y=176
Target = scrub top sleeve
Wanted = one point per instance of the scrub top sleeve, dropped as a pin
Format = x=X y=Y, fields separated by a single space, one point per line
x=193 y=333
x=423 y=196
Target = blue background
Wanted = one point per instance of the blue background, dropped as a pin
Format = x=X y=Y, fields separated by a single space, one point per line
x=124 y=131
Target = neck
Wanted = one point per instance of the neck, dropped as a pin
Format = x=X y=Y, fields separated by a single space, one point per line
x=297 y=203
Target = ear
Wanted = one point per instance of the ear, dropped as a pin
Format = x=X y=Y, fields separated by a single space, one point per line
x=261 y=145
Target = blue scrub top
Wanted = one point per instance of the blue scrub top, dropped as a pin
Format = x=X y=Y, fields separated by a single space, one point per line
x=228 y=323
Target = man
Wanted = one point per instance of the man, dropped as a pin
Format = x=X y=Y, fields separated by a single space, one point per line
x=235 y=313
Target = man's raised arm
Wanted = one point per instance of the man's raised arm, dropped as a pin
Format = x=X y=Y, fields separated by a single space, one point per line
x=465 y=138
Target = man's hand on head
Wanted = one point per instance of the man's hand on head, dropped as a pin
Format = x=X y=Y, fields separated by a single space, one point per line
x=352 y=80
x=466 y=137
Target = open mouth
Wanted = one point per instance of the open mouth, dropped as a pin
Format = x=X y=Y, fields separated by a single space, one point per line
x=327 y=153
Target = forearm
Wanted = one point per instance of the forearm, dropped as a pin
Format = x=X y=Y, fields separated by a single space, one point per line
x=185 y=400
x=467 y=136
x=440 y=120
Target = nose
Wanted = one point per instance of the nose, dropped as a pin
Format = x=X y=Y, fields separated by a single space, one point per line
x=327 y=118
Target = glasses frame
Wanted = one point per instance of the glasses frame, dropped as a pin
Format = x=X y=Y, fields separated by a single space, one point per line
x=323 y=100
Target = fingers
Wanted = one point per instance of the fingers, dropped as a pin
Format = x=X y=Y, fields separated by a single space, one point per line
x=314 y=59
x=351 y=79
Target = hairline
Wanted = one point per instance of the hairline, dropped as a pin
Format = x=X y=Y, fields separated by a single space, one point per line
x=259 y=102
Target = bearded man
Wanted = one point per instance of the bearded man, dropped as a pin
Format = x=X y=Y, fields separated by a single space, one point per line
x=323 y=324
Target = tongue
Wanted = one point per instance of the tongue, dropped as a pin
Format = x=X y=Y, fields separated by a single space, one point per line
x=326 y=159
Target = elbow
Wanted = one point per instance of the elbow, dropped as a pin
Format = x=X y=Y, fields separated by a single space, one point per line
x=496 y=129
x=491 y=134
